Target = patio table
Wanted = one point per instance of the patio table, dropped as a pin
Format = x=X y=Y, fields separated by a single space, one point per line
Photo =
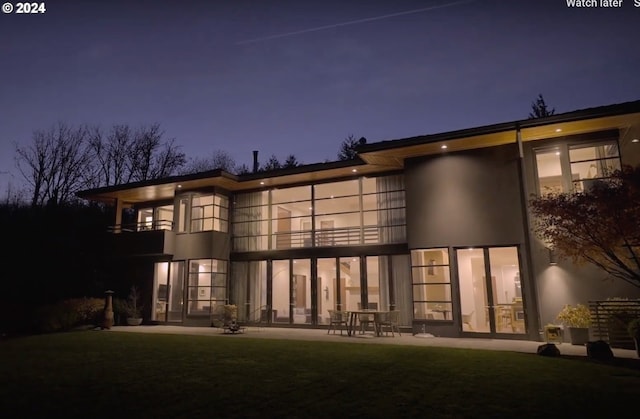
x=354 y=314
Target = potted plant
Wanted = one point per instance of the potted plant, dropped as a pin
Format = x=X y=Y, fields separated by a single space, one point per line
x=634 y=331
x=132 y=308
x=553 y=333
x=577 y=319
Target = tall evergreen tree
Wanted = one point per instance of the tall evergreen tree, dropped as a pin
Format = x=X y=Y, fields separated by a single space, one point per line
x=349 y=146
x=539 y=109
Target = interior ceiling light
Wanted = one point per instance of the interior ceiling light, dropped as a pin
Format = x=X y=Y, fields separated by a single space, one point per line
x=443 y=146
x=179 y=186
x=558 y=129
x=262 y=182
x=635 y=140
x=354 y=170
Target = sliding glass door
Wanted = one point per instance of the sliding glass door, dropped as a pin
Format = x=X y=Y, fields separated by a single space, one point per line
x=490 y=290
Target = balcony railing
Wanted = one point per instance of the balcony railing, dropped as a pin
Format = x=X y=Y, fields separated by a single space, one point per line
x=143 y=226
x=342 y=236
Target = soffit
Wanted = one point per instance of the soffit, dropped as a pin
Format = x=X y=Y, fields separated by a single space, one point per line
x=166 y=191
x=395 y=156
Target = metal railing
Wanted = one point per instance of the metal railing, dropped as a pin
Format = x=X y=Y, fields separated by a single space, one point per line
x=142 y=226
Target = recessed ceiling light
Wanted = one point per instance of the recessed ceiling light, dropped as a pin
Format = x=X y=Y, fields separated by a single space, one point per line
x=443 y=146
x=558 y=129
x=262 y=182
x=635 y=140
x=557 y=153
x=179 y=186
x=354 y=170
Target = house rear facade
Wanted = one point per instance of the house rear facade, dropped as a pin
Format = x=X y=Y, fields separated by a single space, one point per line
x=436 y=227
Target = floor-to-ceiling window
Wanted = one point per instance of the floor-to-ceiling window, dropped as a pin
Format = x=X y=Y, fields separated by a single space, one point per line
x=366 y=210
x=281 y=286
x=292 y=295
x=168 y=291
x=350 y=283
x=490 y=290
x=207 y=286
x=248 y=290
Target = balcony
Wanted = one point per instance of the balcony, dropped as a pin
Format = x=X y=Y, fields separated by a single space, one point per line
x=143 y=239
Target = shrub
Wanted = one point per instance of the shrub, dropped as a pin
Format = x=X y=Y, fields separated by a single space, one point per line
x=575 y=316
x=67 y=314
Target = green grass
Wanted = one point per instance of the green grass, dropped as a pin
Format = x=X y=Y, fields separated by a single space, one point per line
x=110 y=374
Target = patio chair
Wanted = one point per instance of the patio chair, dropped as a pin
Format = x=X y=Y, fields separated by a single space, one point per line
x=365 y=321
x=337 y=319
x=389 y=320
x=466 y=319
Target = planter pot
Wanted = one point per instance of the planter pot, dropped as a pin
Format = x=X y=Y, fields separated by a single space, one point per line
x=134 y=321
x=553 y=334
x=579 y=335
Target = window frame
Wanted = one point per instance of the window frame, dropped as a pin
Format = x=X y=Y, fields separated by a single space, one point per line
x=446 y=306
x=564 y=149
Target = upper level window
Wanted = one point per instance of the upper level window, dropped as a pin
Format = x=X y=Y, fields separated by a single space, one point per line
x=209 y=212
x=158 y=218
x=573 y=168
x=343 y=213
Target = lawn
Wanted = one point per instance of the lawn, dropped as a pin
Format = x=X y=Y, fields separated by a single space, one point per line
x=113 y=374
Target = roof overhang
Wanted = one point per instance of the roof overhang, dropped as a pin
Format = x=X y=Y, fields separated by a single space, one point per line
x=394 y=153
x=166 y=188
x=380 y=157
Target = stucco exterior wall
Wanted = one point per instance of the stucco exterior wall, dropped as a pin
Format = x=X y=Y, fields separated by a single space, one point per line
x=565 y=283
x=469 y=198
x=203 y=245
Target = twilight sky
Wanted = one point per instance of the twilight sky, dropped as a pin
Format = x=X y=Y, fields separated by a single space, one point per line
x=297 y=76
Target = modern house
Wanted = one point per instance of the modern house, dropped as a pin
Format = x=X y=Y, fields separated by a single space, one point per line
x=435 y=226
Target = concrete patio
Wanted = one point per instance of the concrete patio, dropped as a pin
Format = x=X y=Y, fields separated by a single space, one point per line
x=405 y=339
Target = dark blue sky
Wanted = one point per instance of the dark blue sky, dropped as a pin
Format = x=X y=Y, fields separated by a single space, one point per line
x=297 y=77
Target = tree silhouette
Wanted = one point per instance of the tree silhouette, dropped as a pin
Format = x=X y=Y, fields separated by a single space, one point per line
x=219 y=159
x=600 y=225
x=291 y=161
x=348 y=147
x=539 y=109
x=55 y=163
x=272 y=163
x=62 y=160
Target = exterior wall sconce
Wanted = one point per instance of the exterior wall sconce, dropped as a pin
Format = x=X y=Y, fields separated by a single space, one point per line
x=553 y=257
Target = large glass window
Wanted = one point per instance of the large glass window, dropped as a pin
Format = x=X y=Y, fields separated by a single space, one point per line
x=575 y=167
x=155 y=218
x=251 y=221
x=490 y=290
x=183 y=215
x=337 y=213
x=168 y=292
x=431 y=284
x=207 y=285
x=291 y=216
x=248 y=288
x=209 y=212
x=352 y=212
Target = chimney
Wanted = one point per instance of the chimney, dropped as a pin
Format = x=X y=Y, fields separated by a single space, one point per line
x=255 y=161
